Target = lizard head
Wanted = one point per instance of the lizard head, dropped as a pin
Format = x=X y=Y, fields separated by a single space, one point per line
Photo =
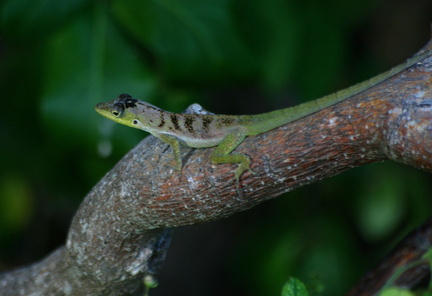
x=121 y=110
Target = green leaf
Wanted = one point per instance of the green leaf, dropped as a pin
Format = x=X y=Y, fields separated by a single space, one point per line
x=382 y=206
x=16 y=203
x=396 y=292
x=27 y=19
x=271 y=31
x=294 y=287
x=192 y=41
x=428 y=256
x=87 y=62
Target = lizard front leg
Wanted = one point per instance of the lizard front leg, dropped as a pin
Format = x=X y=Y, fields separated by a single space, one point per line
x=222 y=153
x=175 y=146
x=173 y=142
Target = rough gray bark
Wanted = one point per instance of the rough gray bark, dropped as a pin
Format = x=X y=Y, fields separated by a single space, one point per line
x=121 y=230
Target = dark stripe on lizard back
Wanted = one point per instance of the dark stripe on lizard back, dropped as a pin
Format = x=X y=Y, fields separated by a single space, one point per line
x=224 y=121
x=188 y=123
x=175 y=121
x=161 y=119
x=206 y=121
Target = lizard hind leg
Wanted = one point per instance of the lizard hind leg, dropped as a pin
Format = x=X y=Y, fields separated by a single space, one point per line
x=222 y=153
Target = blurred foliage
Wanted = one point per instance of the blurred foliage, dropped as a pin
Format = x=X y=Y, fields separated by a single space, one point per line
x=59 y=58
x=396 y=292
x=294 y=287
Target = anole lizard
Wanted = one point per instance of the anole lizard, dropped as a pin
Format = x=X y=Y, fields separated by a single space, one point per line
x=225 y=132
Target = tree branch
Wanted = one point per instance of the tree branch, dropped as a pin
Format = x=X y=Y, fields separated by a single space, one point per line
x=407 y=256
x=120 y=232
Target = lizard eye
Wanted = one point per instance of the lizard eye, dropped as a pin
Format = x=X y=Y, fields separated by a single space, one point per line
x=117 y=110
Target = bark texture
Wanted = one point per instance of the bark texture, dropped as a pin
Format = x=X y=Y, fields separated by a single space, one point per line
x=121 y=230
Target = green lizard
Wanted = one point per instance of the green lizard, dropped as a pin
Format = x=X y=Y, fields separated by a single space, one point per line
x=225 y=132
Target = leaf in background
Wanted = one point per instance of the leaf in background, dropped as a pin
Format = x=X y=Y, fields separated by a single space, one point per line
x=271 y=30
x=27 y=19
x=194 y=41
x=88 y=62
x=428 y=256
x=325 y=29
x=382 y=206
x=16 y=203
x=294 y=287
x=396 y=292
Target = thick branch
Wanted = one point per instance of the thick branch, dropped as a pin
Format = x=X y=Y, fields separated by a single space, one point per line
x=118 y=233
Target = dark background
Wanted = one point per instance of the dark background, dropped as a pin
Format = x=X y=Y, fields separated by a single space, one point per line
x=59 y=58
